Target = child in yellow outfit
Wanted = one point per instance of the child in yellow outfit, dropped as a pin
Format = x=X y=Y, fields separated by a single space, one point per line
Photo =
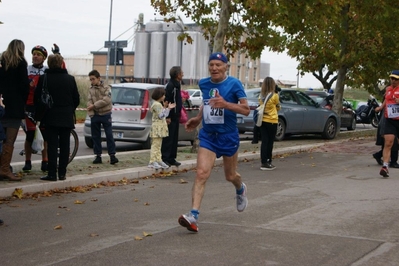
x=159 y=128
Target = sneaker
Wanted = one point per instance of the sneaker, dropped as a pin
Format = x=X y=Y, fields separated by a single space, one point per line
x=163 y=165
x=267 y=167
x=175 y=163
x=97 y=160
x=394 y=165
x=377 y=158
x=384 y=172
x=242 y=200
x=113 y=159
x=44 y=166
x=154 y=165
x=188 y=221
x=27 y=167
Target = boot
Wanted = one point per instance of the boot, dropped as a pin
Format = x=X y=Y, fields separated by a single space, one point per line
x=5 y=161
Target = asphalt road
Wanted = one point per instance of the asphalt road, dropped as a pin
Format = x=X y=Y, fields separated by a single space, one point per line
x=324 y=207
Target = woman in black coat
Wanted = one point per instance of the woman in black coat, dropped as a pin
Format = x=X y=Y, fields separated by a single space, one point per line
x=60 y=118
x=14 y=88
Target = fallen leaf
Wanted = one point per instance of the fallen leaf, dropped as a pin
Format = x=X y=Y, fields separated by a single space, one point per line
x=94 y=199
x=93 y=235
x=182 y=181
x=58 y=227
x=138 y=238
x=18 y=192
x=79 y=202
x=146 y=234
x=136 y=200
x=146 y=204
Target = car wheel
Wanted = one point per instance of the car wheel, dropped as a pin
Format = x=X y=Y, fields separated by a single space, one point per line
x=147 y=143
x=280 y=130
x=353 y=124
x=89 y=142
x=330 y=129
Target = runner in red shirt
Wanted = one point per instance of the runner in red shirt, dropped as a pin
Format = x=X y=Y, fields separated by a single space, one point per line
x=391 y=113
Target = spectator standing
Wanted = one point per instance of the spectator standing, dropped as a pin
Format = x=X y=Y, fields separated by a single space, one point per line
x=391 y=127
x=39 y=55
x=268 y=128
x=173 y=95
x=14 y=88
x=60 y=119
x=99 y=109
x=159 y=128
x=224 y=97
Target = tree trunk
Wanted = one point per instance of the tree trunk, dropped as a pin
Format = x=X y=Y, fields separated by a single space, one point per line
x=218 y=44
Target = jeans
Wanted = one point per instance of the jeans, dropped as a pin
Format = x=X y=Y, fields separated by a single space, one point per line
x=106 y=122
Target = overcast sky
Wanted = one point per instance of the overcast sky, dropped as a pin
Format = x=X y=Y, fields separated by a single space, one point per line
x=82 y=26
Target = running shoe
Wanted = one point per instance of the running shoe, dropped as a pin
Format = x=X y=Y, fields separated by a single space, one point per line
x=242 y=200
x=267 y=167
x=154 y=165
x=384 y=172
x=188 y=221
x=163 y=165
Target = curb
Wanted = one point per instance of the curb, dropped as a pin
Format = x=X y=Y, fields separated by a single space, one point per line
x=137 y=172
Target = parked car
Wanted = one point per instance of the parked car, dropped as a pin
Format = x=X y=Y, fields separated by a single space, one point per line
x=195 y=97
x=299 y=114
x=348 y=115
x=131 y=118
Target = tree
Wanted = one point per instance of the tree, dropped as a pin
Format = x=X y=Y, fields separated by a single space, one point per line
x=351 y=38
x=348 y=37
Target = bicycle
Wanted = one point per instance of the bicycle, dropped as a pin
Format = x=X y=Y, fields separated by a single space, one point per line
x=73 y=146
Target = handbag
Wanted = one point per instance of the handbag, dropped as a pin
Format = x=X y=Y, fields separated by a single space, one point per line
x=46 y=98
x=260 y=110
x=183 y=116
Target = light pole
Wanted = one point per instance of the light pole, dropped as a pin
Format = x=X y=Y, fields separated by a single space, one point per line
x=109 y=39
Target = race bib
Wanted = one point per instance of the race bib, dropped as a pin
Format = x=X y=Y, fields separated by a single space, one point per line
x=212 y=115
x=393 y=110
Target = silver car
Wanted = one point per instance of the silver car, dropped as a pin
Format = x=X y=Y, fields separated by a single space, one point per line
x=195 y=97
x=299 y=114
x=131 y=117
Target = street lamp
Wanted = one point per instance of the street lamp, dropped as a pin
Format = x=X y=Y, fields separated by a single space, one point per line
x=109 y=39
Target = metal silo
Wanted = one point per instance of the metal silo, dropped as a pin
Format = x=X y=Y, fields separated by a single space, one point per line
x=157 y=57
x=142 y=56
x=189 y=57
x=172 y=26
x=203 y=53
x=153 y=26
x=173 y=52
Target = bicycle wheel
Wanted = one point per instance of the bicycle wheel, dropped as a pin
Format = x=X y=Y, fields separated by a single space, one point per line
x=74 y=145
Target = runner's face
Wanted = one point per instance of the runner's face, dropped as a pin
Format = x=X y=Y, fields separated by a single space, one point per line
x=217 y=69
x=94 y=81
x=394 y=82
x=37 y=58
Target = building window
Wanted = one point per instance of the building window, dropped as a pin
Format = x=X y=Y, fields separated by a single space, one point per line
x=255 y=71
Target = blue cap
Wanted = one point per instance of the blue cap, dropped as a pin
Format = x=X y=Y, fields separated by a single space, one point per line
x=395 y=74
x=218 y=56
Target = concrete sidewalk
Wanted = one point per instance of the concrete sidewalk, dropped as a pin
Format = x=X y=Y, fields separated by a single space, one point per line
x=35 y=185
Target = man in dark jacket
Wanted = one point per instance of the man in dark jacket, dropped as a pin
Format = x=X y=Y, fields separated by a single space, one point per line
x=169 y=144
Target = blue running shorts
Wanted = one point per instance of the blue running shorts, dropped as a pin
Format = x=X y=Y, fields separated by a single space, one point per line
x=222 y=144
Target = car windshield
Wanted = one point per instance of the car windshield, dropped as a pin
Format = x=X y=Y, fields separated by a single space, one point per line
x=252 y=94
x=131 y=96
x=317 y=98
